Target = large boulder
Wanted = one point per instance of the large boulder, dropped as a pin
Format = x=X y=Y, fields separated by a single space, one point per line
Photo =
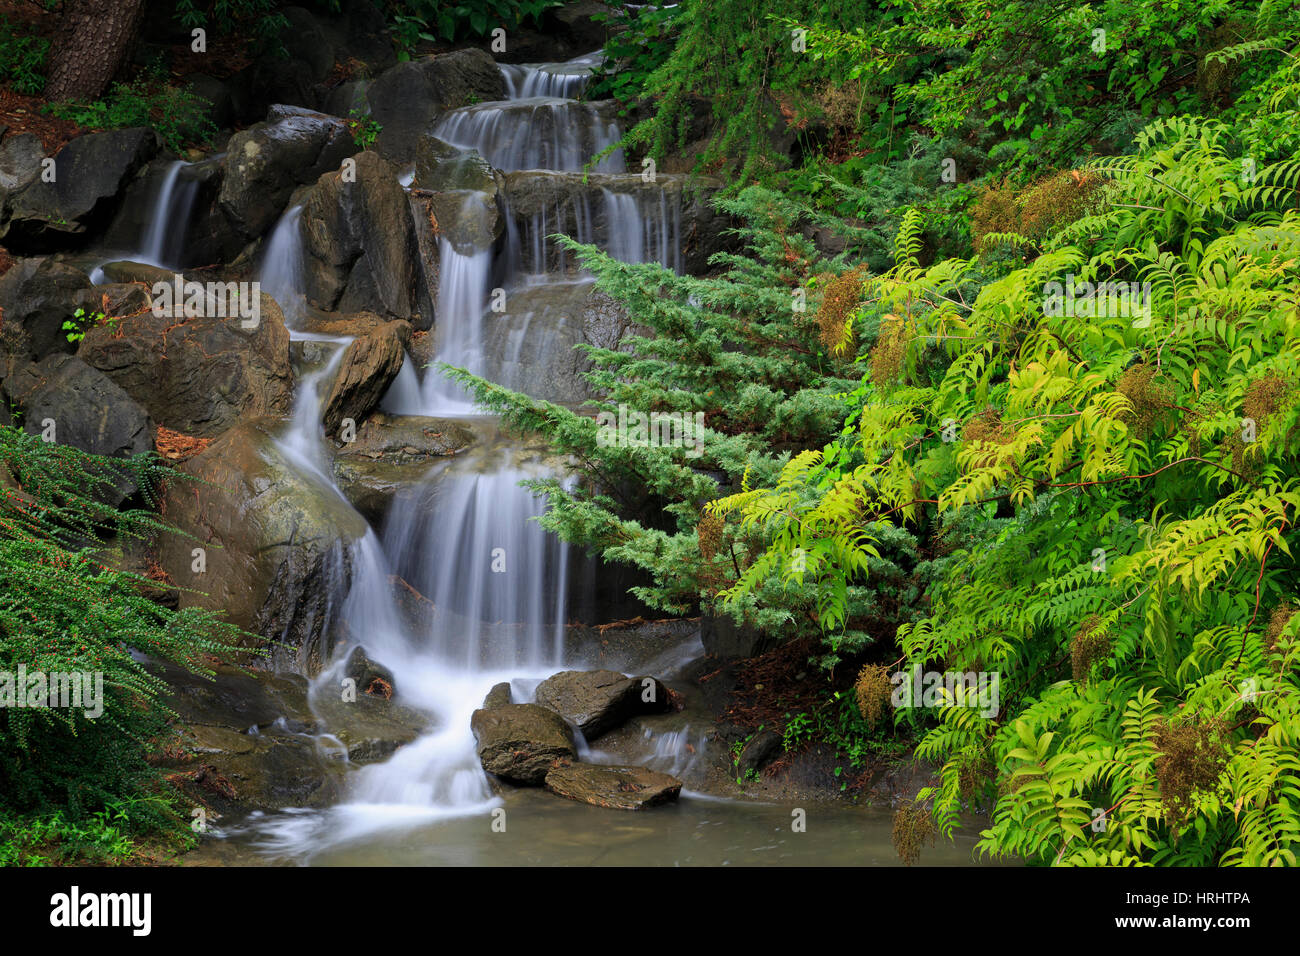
x=530 y=346
x=89 y=175
x=20 y=164
x=612 y=787
x=36 y=297
x=361 y=247
x=267 y=161
x=392 y=453
x=368 y=367
x=521 y=742
x=407 y=98
x=277 y=547
x=198 y=375
x=63 y=397
x=596 y=702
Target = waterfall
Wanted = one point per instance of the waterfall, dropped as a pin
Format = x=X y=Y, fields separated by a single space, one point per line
x=561 y=80
x=465 y=539
x=164 y=239
x=281 y=272
x=536 y=133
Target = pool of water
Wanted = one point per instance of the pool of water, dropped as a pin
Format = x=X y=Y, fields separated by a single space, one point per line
x=535 y=828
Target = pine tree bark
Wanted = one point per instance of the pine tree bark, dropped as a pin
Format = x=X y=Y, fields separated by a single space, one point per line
x=89 y=47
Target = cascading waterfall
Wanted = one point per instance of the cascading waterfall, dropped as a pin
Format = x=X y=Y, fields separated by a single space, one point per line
x=539 y=132
x=562 y=80
x=281 y=270
x=164 y=240
x=465 y=538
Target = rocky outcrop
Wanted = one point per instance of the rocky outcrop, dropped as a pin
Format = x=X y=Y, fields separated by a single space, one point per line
x=267 y=161
x=276 y=546
x=530 y=346
x=596 y=702
x=20 y=165
x=521 y=742
x=611 y=787
x=89 y=176
x=407 y=98
x=498 y=696
x=367 y=368
x=36 y=297
x=392 y=453
x=198 y=375
x=360 y=240
x=73 y=404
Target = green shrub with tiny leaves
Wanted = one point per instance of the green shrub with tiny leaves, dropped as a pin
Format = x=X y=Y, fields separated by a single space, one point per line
x=63 y=611
x=1133 y=476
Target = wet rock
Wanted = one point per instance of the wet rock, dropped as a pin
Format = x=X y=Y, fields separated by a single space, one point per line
x=20 y=164
x=521 y=742
x=370 y=676
x=267 y=161
x=198 y=375
x=89 y=175
x=36 y=297
x=360 y=242
x=498 y=696
x=276 y=547
x=598 y=701
x=530 y=347
x=439 y=165
x=392 y=453
x=764 y=747
x=615 y=788
x=407 y=98
x=87 y=411
x=367 y=368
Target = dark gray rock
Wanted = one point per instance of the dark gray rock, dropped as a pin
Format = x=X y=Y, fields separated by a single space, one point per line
x=361 y=246
x=596 y=702
x=89 y=175
x=764 y=747
x=267 y=161
x=725 y=639
x=407 y=98
x=85 y=410
x=198 y=375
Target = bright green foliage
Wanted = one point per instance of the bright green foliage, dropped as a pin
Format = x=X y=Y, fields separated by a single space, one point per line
x=1113 y=493
x=742 y=61
x=739 y=349
x=62 y=611
x=22 y=59
x=641 y=44
x=179 y=116
x=1048 y=80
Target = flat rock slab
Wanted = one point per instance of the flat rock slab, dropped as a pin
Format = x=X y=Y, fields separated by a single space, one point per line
x=596 y=702
x=521 y=742
x=615 y=788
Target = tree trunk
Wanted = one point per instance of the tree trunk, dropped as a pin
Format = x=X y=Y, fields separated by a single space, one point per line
x=90 y=46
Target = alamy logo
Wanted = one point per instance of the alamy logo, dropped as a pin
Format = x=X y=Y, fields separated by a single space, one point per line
x=915 y=688
x=209 y=300
x=82 y=690
x=1087 y=300
x=633 y=429
x=74 y=908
